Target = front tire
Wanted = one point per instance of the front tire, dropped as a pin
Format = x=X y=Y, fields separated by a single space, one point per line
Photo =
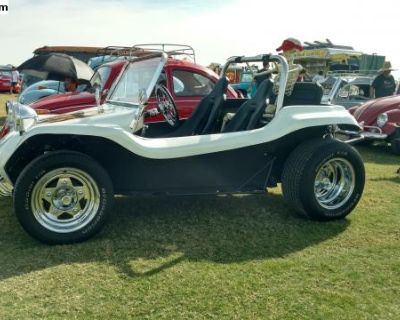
x=323 y=179
x=63 y=197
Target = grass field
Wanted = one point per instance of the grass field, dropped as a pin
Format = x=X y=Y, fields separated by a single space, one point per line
x=246 y=257
x=3 y=98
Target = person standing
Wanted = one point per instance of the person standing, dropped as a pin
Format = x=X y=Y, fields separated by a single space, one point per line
x=262 y=74
x=14 y=79
x=318 y=78
x=302 y=76
x=70 y=84
x=383 y=84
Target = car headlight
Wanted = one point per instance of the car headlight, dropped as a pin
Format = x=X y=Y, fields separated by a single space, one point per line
x=21 y=117
x=382 y=119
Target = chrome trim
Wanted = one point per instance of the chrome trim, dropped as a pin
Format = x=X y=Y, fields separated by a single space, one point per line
x=353 y=140
x=355 y=136
x=6 y=188
x=374 y=135
x=65 y=200
x=283 y=71
x=374 y=128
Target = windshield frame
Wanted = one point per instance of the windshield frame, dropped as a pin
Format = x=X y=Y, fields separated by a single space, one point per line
x=163 y=59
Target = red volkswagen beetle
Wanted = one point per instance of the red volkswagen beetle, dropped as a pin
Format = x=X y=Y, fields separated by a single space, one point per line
x=187 y=82
x=380 y=119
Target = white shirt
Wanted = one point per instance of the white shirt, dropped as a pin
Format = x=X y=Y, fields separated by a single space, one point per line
x=14 y=76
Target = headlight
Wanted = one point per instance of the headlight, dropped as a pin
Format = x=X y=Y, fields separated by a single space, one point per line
x=21 y=117
x=382 y=119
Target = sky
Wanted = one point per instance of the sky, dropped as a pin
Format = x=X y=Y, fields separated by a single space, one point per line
x=216 y=29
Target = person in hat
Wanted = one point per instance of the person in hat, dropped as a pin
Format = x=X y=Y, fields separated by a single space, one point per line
x=290 y=45
x=288 y=49
x=383 y=84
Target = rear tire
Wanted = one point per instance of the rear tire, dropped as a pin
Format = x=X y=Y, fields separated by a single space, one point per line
x=323 y=179
x=63 y=197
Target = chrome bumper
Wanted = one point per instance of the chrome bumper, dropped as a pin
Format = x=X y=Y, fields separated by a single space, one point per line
x=354 y=136
x=6 y=188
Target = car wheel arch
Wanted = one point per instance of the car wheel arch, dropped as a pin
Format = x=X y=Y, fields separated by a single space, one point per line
x=38 y=145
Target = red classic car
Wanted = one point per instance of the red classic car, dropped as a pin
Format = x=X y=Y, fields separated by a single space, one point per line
x=5 y=82
x=186 y=81
x=380 y=119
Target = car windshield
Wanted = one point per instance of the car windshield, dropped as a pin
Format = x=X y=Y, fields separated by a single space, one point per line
x=138 y=77
x=5 y=74
x=328 y=84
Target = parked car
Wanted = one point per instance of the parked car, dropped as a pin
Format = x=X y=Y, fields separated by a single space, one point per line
x=5 y=81
x=347 y=90
x=42 y=89
x=380 y=120
x=64 y=170
x=241 y=78
x=188 y=83
x=246 y=85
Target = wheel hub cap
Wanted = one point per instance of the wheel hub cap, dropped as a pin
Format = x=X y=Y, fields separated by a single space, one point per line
x=334 y=183
x=65 y=200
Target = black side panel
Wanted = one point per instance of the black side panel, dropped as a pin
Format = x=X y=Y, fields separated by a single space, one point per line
x=231 y=171
x=241 y=170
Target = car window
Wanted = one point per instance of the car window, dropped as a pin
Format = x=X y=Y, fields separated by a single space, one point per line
x=247 y=77
x=5 y=73
x=178 y=85
x=188 y=83
x=162 y=80
x=328 y=85
x=353 y=90
x=101 y=76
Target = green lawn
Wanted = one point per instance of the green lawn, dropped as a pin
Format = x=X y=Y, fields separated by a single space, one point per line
x=246 y=257
x=3 y=98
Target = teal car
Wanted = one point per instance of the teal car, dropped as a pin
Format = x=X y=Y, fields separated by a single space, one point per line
x=246 y=85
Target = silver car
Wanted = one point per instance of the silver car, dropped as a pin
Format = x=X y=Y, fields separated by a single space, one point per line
x=347 y=90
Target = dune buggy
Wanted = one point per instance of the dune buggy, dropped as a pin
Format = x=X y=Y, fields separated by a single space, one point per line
x=64 y=170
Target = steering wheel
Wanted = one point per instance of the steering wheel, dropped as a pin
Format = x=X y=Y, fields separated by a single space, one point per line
x=166 y=105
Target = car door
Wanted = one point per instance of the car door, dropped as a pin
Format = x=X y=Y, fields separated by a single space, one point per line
x=187 y=87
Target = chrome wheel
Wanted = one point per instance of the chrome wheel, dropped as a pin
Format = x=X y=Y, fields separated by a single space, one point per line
x=65 y=200
x=334 y=183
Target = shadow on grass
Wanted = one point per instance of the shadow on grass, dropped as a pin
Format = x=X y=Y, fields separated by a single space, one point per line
x=391 y=179
x=161 y=232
